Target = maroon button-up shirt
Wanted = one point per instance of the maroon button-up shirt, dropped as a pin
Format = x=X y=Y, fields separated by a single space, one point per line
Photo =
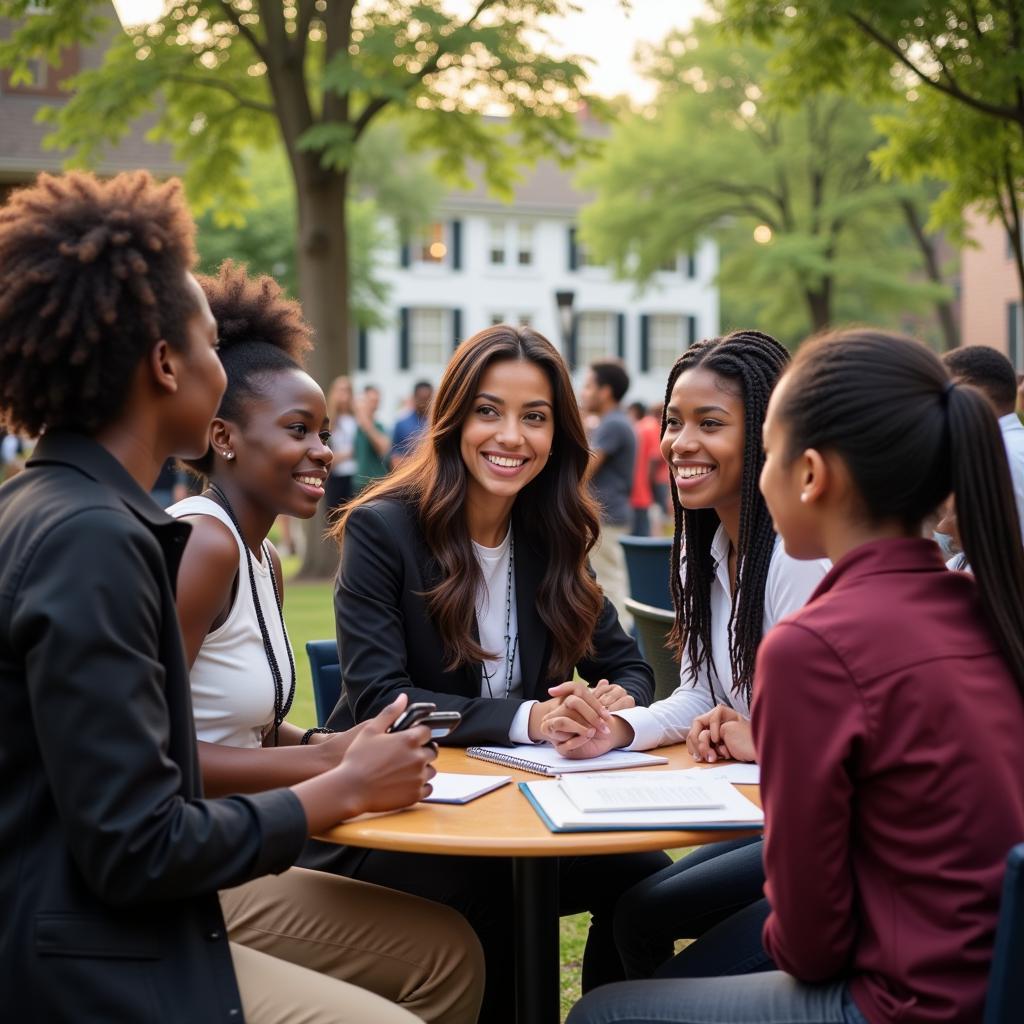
x=890 y=734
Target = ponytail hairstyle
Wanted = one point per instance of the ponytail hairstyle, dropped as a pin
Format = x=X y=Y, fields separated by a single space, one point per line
x=261 y=332
x=554 y=512
x=751 y=363
x=910 y=436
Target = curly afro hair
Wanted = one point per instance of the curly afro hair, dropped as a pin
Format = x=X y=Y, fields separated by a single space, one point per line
x=92 y=274
x=261 y=332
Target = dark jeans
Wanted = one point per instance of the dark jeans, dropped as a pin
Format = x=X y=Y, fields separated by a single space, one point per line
x=687 y=900
x=772 y=998
x=481 y=889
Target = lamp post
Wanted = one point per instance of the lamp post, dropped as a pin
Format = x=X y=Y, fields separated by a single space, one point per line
x=564 y=301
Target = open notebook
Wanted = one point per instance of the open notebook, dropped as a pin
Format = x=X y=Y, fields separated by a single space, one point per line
x=559 y=812
x=544 y=760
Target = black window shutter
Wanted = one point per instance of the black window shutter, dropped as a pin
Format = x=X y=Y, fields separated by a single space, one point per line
x=571 y=354
x=573 y=253
x=405 y=255
x=691 y=264
x=456 y=327
x=620 y=335
x=456 y=245
x=403 y=338
x=645 y=343
x=362 y=350
x=691 y=330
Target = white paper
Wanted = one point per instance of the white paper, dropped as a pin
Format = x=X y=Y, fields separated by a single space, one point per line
x=644 y=791
x=453 y=788
x=738 y=773
x=738 y=811
x=547 y=761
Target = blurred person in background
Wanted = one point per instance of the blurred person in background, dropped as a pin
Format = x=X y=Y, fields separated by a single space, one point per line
x=409 y=427
x=372 y=444
x=343 y=444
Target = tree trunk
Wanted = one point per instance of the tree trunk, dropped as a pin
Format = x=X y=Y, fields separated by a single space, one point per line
x=819 y=304
x=943 y=307
x=323 y=287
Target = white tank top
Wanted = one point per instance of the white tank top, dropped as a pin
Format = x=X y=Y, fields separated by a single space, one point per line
x=232 y=684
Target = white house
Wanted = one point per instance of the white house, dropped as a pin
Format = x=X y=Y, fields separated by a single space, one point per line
x=486 y=262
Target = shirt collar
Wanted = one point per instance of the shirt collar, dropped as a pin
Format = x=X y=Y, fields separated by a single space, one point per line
x=893 y=555
x=1011 y=421
x=89 y=457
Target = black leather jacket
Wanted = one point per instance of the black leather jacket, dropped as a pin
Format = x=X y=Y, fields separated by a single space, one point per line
x=110 y=860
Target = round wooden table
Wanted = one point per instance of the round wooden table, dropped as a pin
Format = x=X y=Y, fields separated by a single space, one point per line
x=504 y=824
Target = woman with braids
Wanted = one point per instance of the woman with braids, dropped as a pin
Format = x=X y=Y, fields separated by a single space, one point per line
x=110 y=857
x=269 y=456
x=464 y=582
x=887 y=712
x=734 y=584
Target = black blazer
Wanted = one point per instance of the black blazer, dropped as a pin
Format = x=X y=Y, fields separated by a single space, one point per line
x=110 y=861
x=388 y=644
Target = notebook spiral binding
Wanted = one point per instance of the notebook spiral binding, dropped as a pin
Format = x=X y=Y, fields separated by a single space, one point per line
x=508 y=761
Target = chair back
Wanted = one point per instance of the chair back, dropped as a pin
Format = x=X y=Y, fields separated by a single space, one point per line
x=647 y=563
x=1004 y=1003
x=325 y=667
x=652 y=627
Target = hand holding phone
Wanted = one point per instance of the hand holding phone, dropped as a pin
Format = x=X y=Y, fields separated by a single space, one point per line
x=425 y=713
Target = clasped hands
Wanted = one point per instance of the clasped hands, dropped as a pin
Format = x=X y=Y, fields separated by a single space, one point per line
x=721 y=734
x=578 y=718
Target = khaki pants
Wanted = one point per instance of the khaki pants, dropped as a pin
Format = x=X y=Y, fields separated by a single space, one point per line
x=608 y=560
x=314 y=948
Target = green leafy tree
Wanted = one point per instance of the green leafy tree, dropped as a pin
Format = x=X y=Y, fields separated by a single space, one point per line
x=958 y=65
x=226 y=77
x=717 y=155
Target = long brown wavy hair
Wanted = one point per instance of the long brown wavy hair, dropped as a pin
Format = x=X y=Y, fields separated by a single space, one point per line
x=554 y=512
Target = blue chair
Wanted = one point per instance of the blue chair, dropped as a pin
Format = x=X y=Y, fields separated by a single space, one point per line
x=647 y=563
x=326 y=671
x=1004 y=1003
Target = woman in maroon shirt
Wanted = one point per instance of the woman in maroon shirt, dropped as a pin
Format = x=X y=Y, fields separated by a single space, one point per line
x=888 y=711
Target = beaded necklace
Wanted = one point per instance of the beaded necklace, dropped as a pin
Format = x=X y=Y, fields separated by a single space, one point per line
x=511 y=643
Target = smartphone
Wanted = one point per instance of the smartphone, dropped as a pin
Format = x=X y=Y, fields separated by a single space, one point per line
x=440 y=723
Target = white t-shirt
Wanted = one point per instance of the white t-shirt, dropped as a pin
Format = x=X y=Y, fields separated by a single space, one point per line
x=788 y=586
x=343 y=444
x=495 y=601
x=232 y=685
x=1013 y=441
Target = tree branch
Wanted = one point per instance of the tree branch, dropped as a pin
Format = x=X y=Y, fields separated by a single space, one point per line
x=374 y=107
x=232 y=15
x=225 y=87
x=949 y=88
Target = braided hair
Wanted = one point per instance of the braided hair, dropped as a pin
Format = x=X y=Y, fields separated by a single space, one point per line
x=754 y=361
x=92 y=275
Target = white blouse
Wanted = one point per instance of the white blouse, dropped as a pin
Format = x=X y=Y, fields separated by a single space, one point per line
x=788 y=586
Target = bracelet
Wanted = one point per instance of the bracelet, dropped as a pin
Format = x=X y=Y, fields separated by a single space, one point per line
x=309 y=732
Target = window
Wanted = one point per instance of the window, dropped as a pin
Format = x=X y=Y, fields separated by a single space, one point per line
x=524 y=247
x=497 y=248
x=430 y=336
x=522 y=319
x=1014 y=339
x=596 y=337
x=497 y=318
x=667 y=339
x=433 y=245
x=669 y=266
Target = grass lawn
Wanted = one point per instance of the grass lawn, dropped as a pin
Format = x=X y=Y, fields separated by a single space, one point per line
x=309 y=613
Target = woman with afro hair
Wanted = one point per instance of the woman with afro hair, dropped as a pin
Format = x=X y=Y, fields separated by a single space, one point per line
x=111 y=859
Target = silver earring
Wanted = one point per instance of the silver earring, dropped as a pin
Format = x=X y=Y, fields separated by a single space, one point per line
x=229 y=455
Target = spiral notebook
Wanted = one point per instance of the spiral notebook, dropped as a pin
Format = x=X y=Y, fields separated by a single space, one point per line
x=544 y=760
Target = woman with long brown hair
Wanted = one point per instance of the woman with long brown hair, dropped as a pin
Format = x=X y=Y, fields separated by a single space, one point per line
x=464 y=581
